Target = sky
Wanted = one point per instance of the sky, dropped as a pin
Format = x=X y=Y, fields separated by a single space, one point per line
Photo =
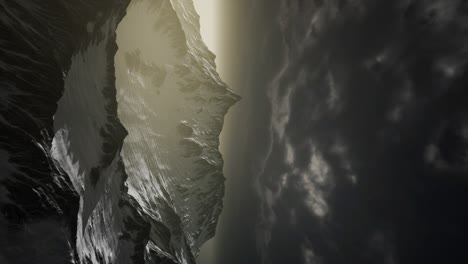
x=209 y=21
x=349 y=142
x=213 y=22
x=243 y=28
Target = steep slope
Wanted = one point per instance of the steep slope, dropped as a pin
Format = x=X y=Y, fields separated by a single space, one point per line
x=44 y=46
x=74 y=188
x=172 y=102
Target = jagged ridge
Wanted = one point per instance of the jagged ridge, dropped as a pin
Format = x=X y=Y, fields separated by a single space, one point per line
x=78 y=179
x=172 y=102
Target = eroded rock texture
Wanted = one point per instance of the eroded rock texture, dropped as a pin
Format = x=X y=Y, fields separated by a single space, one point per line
x=109 y=144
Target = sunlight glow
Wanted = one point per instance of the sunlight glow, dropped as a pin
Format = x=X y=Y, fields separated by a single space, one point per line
x=207 y=9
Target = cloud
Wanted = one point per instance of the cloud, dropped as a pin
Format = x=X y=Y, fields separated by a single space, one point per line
x=380 y=244
x=315 y=198
x=365 y=108
x=308 y=254
x=431 y=153
x=316 y=181
x=289 y=154
x=334 y=95
x=281 y=92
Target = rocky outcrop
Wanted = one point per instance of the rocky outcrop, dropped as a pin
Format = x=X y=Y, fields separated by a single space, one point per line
x=109 y=153
x=172 y=102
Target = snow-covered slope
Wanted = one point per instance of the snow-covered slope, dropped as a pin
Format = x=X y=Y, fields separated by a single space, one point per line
x=111 y=137
x=172 y=102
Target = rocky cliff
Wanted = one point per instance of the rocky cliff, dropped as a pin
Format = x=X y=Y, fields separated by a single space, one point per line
x=111 y=113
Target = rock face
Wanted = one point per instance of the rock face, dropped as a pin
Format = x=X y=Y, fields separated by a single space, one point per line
x=172 y=103
x=109 y=145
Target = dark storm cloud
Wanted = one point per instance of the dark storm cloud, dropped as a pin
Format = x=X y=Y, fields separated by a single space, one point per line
x=368 y=157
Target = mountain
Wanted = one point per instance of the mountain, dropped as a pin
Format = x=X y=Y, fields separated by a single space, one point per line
x=111 y=114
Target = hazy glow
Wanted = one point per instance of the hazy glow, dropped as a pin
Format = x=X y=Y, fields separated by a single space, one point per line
x=207 y=9
x=208 y=22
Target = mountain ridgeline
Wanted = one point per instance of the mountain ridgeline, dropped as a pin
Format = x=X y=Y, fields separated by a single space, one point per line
x=111 y=114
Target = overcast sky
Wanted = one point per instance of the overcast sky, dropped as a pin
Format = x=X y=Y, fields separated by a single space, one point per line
x=350 y=141
x=243 y=29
